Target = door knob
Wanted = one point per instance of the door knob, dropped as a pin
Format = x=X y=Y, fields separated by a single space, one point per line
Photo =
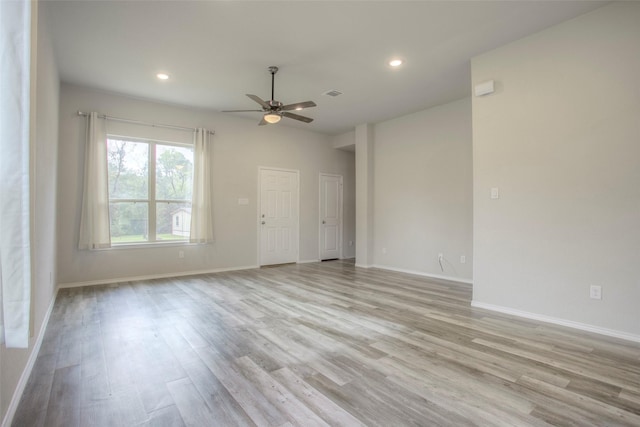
x=323 y=222
x=263 y=223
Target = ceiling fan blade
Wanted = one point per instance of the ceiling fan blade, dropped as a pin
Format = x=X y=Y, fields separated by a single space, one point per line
x=263 y=122
x=259 y=101
x=299 y=105
x=297 y=117
x=241 y=111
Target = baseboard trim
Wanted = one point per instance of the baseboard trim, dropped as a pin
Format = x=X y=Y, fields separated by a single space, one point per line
x=153 y=276
x=307 y=261
x=422 y=273
x=26 y=373
x=558 y=321
x=363 y=265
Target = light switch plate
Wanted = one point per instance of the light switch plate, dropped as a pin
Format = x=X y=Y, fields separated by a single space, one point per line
x=484 y=88
x=495 y=193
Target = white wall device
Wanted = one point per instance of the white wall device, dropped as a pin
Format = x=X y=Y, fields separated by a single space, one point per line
x=484 y=88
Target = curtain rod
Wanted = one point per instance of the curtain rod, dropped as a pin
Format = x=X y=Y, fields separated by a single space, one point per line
x=138 y=122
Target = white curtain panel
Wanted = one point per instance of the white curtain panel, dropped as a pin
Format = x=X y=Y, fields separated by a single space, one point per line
x=15 y=258
x=94 y=220
x=201 y=206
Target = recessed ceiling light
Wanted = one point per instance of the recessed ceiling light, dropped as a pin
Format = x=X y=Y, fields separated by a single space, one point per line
x=395 y=62
x=162 y=76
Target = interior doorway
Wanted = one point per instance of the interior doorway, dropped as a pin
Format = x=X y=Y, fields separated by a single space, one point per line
x=278 y=216
x=330 y=216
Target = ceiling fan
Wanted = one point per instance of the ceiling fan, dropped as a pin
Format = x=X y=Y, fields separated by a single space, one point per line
x=275 y=110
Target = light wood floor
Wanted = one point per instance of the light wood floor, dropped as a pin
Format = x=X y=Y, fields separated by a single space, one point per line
x=317 y=344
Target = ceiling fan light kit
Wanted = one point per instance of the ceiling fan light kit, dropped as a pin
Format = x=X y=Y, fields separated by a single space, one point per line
x=272 y=118
x=275 y=110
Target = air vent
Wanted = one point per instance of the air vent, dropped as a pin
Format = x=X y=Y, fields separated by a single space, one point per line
x=333 y=92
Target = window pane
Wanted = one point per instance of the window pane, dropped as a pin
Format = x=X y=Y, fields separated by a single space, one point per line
x=128 y=163
x=173 y=221
x=174 y=169
x=129 y=222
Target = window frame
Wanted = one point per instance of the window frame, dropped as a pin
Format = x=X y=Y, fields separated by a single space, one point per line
x=151 y=201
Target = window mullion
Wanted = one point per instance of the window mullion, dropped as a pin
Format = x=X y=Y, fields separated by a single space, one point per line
x=152 y=192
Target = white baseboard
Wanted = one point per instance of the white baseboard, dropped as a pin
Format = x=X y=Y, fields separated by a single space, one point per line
x=153 y=276
x=364 y=265
x=26 y=373
x=422 y=273
x=557 y=321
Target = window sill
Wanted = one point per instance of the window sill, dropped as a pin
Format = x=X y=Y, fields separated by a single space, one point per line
x=116 y=246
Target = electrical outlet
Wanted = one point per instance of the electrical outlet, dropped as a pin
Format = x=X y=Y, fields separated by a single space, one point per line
x=595 y=292
x=463 y=259
x=384 y=250
x=180 y=254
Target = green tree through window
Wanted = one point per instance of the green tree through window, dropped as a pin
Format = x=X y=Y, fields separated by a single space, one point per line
x=150 y=183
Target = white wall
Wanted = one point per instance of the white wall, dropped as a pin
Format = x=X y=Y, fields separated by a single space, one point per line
x=345 y=141
x=423 y=191
x=364 y=195
x=240 y=147
x=43 y=184
x=561 y=140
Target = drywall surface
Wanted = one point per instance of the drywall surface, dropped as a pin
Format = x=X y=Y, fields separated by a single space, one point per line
x=240 y=147
x=423 y=192
x=560 y=140
x=364 y=195
x=345 y=141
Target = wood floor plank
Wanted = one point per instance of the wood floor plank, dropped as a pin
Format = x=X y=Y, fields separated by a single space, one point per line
x=297 y=413
x=328 y=410
x=317 y=344
x=254 y=403
x=63 y=407
x=609 y=414
x=192 y=407
x=165 y=417
x=225 y=408
x=154 y=395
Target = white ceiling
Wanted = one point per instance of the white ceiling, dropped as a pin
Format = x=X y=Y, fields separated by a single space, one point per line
x=217 y=51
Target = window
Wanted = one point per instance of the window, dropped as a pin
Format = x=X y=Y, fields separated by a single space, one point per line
x=150 y=183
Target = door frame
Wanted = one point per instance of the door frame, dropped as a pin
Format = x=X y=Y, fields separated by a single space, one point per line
x=259 y=211
x=340 y=213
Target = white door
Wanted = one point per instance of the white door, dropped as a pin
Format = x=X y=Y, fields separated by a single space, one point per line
x=278 y=216
x=330 y=216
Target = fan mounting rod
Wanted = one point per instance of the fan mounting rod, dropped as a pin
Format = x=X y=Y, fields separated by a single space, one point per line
x=273 y=70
